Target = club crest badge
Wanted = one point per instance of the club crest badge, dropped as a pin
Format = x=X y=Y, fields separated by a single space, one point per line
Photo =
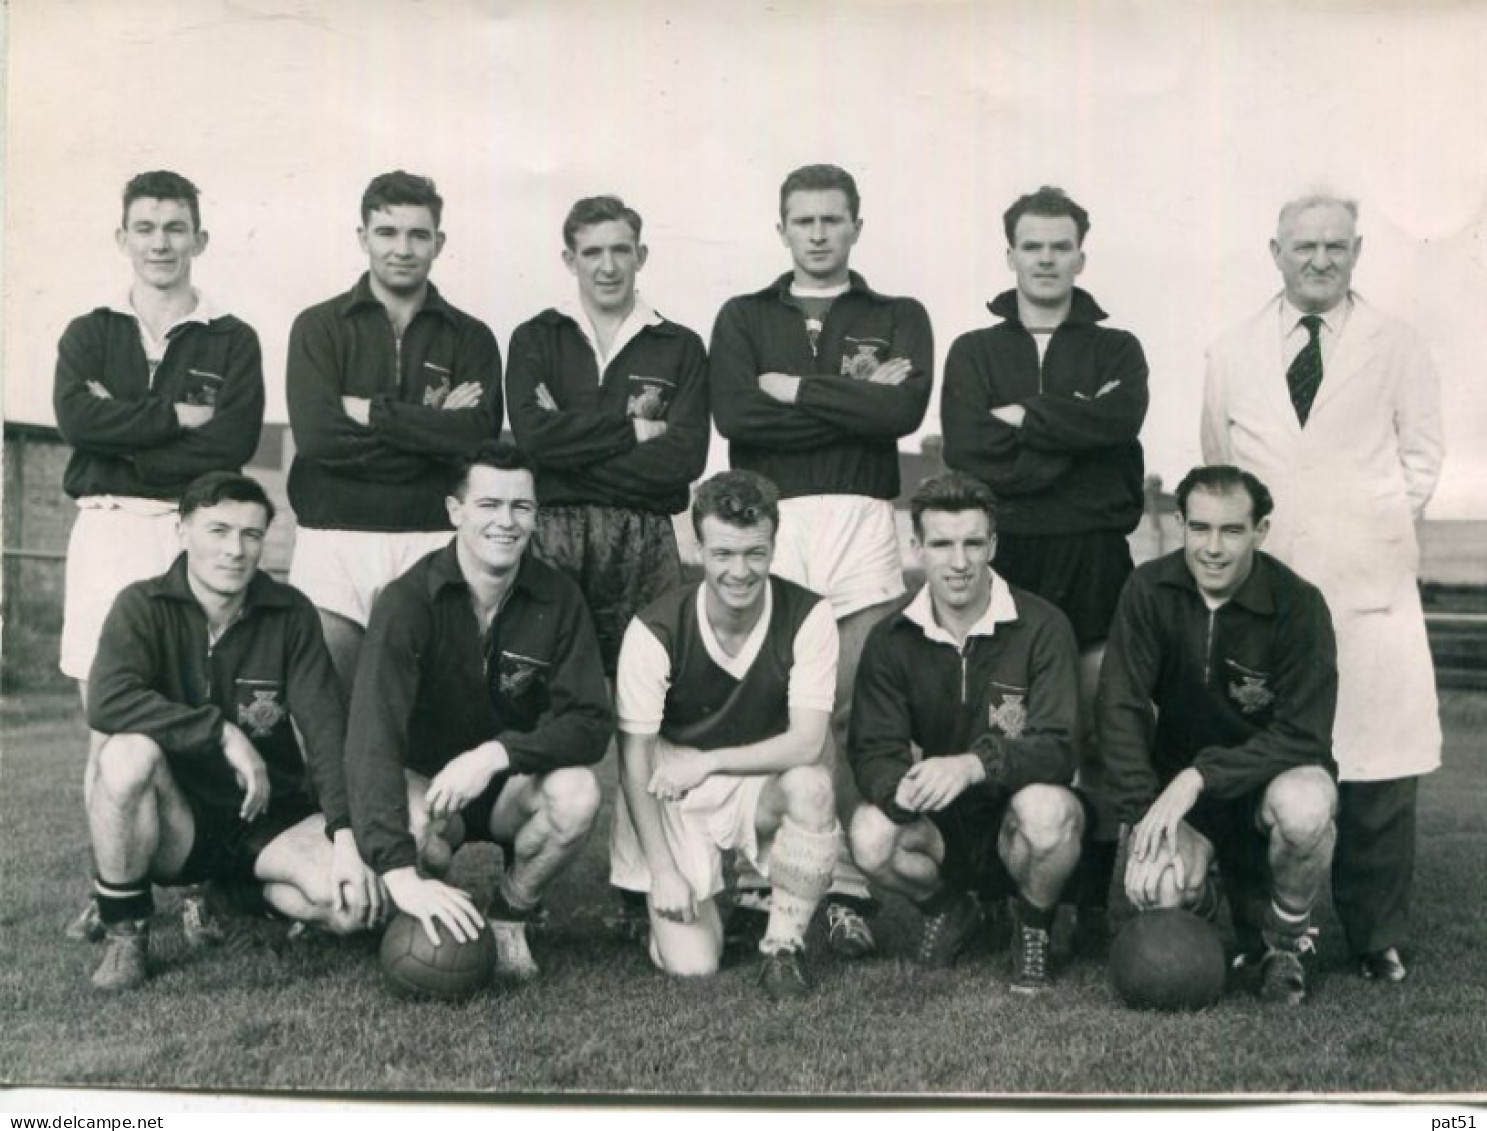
x=865 y=355
x=260 y=715
x=434 y=395
x=1251 y=694
x=1010 y=716
x=649 y=400
x=519 y=674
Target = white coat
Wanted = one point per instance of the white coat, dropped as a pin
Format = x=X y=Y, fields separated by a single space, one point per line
x=1347 y=490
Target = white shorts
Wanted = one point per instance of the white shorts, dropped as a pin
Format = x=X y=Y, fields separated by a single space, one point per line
x=115 y=542
x=716 y=817
x=344 y=571
x=844 y=547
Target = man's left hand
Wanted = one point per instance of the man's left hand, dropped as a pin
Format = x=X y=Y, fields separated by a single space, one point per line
x=934 y=783
x=464 y=779
x=355 y=887
x=679 y=770
x=781 y=386
x=1012 y=414
x=358 y=408
x=1157 y=831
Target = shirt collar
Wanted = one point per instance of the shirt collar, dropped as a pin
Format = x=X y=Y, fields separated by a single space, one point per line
x=204 y=311
x=362 y=295
x=263 y=590
x=1257 y=594
x=444 y=571
x=856 y=284
x=1082 y=307
x=1001 y=609
x=640 y=316
x=1334 y=320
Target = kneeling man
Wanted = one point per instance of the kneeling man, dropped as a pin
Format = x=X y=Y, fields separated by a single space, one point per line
x=1236 y=654
x=962 y=740
x=205 y=679
x=479 y=706
x=724 y=691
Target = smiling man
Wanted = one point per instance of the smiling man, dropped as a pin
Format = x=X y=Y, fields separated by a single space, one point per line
x=1046 y=407
x=962 y=741
x=725 y=690
x=480 y=705
x=389 y=386
x=813 y=379
x=1215 y=717
x=1338 y=406
x=214 y=692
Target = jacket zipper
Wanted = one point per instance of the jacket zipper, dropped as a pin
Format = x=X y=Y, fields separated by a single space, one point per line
x=1208 y=648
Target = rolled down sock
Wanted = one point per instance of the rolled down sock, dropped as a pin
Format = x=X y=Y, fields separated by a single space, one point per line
x=118 y=903
x=800 y=865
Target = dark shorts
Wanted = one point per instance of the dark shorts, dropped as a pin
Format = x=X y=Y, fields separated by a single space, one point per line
x=621 y=559
x=970 y=827
x=1240 y=847
x=476 y=816
x=1082 y=574
x=226 y=848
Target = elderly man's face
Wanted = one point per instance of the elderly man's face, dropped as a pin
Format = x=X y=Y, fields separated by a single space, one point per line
x=1316 y=250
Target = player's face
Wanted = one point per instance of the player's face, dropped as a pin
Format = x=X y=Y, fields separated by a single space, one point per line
x=401 y=242
x=160 y=240
x=954 y=551
x=819 y=230
x=494 y=520
x=223 y=545
x=1046 y=257
x=736 y=561
x=1316 y=250
x=1219 y=540
x=605 y=259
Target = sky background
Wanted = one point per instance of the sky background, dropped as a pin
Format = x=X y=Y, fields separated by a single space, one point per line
x=1182 y=127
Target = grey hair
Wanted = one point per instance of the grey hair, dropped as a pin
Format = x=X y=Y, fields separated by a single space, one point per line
x=1312 y=200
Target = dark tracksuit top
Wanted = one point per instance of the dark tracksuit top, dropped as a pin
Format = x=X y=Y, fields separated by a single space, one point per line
x=157 y=675
x=428 y=689
x=586 y=448
x=1075 y=465
x=840 y=437
x=131 y=443
x=1242 y=693
x=1008 y=696
x=393 y=473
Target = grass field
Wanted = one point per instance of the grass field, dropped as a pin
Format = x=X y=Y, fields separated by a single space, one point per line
x=601 y=1020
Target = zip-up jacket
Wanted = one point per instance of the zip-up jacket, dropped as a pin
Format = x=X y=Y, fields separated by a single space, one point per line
x=130 y=443
x=1242 y=692
x=157 y=675
x=840 y=437
x=585 y=447
x=393 y=473
x=1075 y=464
x=429 y=688
x=1009 y=696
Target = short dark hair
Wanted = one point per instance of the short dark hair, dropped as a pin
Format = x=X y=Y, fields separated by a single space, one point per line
x=162 y=184
x=821 y=178
x=398 y=187
x=739 y=498
x=499 y=454
x=1047 y=201
x=951 y=491
x=1224 y=479
x=593 y=210
x=224 y=486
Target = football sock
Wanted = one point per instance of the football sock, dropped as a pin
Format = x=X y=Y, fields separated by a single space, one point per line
x=1033 y=916
x=1283 y=927
x=940 y=902
x=507 y=904
x=118 y=903
x=800 y=864
x=1096 y=871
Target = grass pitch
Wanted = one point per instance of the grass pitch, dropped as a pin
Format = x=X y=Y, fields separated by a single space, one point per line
x=316 y=1016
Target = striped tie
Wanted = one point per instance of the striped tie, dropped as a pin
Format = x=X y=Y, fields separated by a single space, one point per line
x=1305 y=374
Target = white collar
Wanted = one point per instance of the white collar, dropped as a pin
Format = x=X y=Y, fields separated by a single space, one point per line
x=1334 y=320
x=1001 y=609
x=204 y=311
x=737 y=666
x=641 y=314
x=800 y=291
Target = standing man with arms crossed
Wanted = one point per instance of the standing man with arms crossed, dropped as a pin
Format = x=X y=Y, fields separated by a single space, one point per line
x=151 y=391
x=813 y=380
x=725 y=689
x=1235 y=652
x=479 y=707
x=1337 y=406
x=977 y=676
x=214 y=691
x=389 y=387
x=1046 y=408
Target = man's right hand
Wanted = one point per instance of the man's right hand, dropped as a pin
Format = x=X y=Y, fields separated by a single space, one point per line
x=430 y=900
x=671 y=896
x=193 y=415
x=648 y=429
x=894 y=371
x=247 y=766
x=464 y=395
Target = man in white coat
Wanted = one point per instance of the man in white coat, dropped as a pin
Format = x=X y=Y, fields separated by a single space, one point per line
x=1336 y=406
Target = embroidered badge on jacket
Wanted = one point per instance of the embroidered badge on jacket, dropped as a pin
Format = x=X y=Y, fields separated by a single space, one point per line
x=867 y=354
x=650 y=402
x=519 y=674
x=1251 y=694
x=1010 y=717
x=262 y=713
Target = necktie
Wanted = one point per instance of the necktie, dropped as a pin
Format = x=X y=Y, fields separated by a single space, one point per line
x=1305 y=373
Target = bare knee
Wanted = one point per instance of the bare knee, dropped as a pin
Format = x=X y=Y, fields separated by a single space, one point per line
x=1048 y=817
x=809 y=799
x=1301 y=806
x=342 y=921
x=873 y=838
x=127 y=764
x=570 y=798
